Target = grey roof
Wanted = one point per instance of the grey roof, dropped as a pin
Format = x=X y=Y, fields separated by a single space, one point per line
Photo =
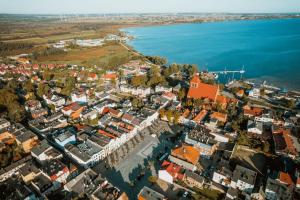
x=41 y=148
x=108 y=192
x=83 y=182
x=194 y=176
x=53 y=167
x=28 y=168
x=244 y=174
x=26 y=136
x=281 y=190
x=253 y=124
x=63 y=136
x=42 y=182
x=84 y=151
x=233 y=192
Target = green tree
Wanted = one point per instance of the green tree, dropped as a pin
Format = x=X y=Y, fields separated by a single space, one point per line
x=176 y=117
x=42 y=89
x=181 y=93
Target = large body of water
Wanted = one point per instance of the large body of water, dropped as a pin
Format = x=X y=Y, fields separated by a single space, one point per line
x=268 y=49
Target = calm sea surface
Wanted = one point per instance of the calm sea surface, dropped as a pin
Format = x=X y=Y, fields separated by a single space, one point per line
x=268 y=49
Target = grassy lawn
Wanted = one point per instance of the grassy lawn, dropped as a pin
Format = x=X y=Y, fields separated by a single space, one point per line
x=100 y=56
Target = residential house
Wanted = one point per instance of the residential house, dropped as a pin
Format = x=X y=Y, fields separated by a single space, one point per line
x=57 y=171
x=160 y=88
x=55 y=100
x=243 y=179
x=276 y=190
x=73 y=110
x=201 y=138
x=90 y=114
x=284 y=144
x=28 y=172
x=252 y=111
x=221 y=117
x=193 y=180
x=4 y=123
x=223 y=174
x=64 y=137
x=39 y=113
x=32 y=105
x=200 y=116
x=254 y=93
x=44 y=152
x=170 y=172
x=186 y=156
x=27 y=140
x=170 y=96
x=79 y=96
x=148 y=194
x=255 y=127
x=42 y=184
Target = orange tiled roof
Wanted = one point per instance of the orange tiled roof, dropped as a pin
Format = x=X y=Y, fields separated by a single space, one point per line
x=110 y=76
x=106 y=134
x=200 y=116
x=252 y=111
x=187 y=153
x=221 y=99
x=186 y=113
x=285 y=178
x=219 y=116
x=289 y=144
x=199 y=90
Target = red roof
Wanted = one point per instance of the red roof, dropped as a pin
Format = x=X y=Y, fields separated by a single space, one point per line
x=173 y=169
x=199 y=90
x=285 y=178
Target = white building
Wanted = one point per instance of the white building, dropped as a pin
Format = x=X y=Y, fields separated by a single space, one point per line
x=79 y=97
x=139 y=91
x=255 y=93
x=255 y=127
x=55 y=100
x=86 y=154
x=65 y=138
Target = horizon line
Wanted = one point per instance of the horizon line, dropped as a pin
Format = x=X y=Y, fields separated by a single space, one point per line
x=127 y=13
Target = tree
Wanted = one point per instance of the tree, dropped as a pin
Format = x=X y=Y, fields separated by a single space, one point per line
x=176 y=117
x=162 y=113
x=9 y=102
x=157 y=60
x=137 y=81
x=28 y=86
x=154 y=71
x=169 y=115
x=42 y=89
x=152 y=179
x=181 y=94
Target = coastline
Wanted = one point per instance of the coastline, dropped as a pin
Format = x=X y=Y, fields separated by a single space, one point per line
x=258 y=80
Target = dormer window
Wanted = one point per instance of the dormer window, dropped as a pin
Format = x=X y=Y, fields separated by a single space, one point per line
x=194 y=85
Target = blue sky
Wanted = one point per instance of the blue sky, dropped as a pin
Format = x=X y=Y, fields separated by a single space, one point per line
x=126 y=6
